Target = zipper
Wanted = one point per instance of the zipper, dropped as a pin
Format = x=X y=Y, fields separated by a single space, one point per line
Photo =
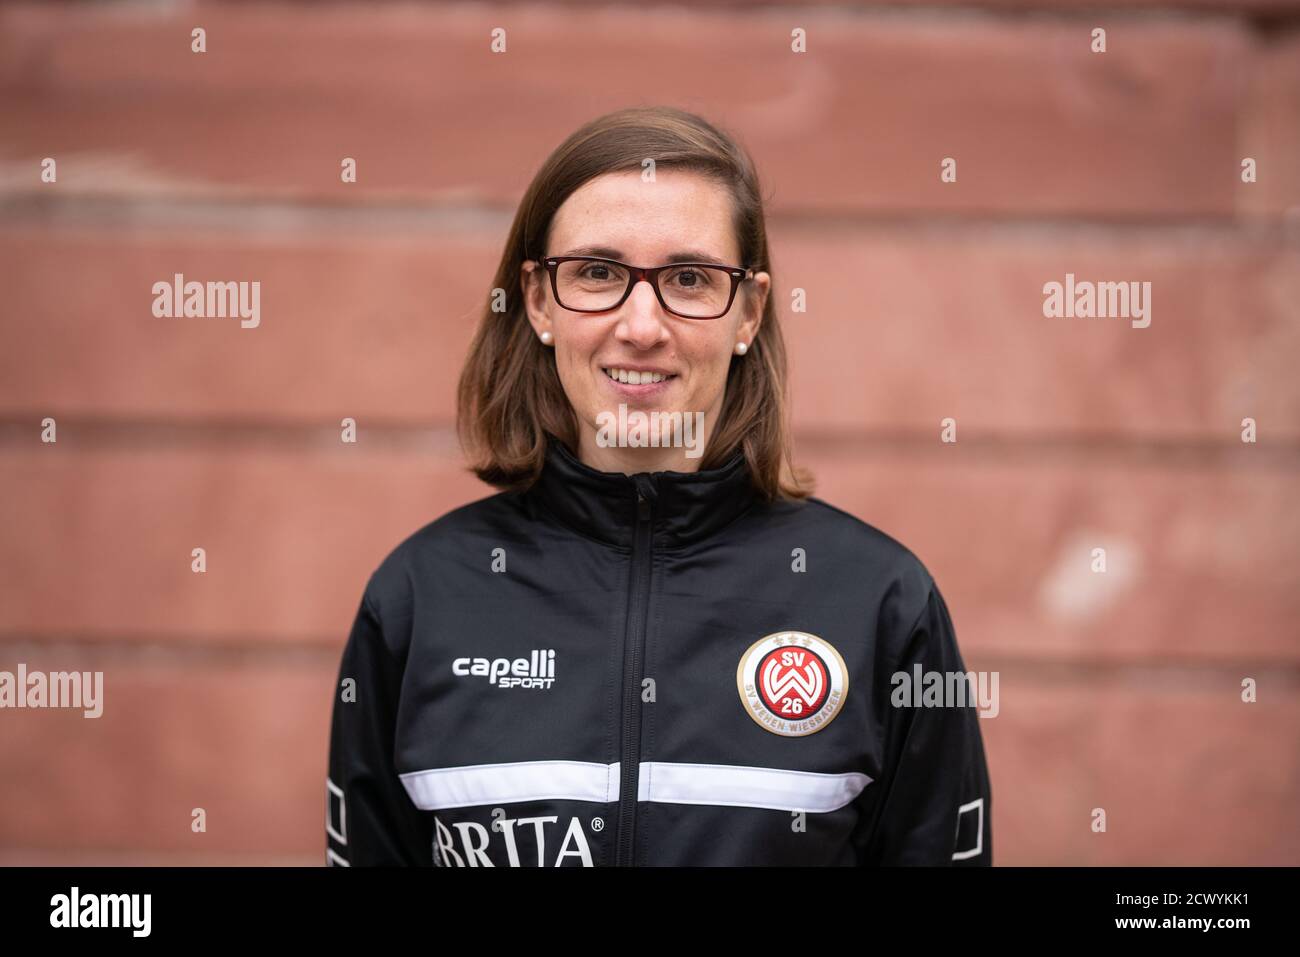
x=633 y=651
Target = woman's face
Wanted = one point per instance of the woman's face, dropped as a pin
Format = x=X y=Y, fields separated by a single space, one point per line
x=681 y=216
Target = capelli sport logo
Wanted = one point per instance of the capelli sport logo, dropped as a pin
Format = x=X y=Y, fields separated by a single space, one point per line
x=792 y=683
x=535 y=671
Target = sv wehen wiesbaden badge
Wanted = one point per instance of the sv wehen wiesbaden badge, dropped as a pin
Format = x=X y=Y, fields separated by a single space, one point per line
x=792 y=683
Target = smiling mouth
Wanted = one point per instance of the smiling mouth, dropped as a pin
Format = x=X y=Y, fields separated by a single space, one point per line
x=633 y=377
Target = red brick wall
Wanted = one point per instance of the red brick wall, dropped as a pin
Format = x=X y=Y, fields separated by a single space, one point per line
x=925 y=301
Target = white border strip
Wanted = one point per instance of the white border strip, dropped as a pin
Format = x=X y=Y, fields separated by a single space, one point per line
x=508 y=783
x=722 y=785
x=738 y=786
x=979 y=830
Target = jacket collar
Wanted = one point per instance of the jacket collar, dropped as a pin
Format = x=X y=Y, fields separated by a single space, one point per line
x=685 y=506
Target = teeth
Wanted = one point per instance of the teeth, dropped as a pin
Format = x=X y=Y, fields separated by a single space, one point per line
x=632 y=377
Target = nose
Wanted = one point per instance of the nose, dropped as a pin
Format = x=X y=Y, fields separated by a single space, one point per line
x=643 y=319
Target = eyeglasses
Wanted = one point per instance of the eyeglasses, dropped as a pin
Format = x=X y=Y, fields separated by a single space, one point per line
x=692 y=290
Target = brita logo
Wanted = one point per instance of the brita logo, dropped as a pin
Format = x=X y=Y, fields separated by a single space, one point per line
x=535 y=671
x=525 y=841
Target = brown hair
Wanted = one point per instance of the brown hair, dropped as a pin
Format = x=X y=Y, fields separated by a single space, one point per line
x=510 y=398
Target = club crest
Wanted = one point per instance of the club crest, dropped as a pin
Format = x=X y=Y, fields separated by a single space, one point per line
x=792 y=683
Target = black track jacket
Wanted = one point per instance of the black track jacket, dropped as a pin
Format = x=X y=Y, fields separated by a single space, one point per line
x=651 y=669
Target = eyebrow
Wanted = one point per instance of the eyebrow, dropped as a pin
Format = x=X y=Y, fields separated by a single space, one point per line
x=681 y=256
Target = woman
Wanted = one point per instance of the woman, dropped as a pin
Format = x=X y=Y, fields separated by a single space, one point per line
x=652 y=646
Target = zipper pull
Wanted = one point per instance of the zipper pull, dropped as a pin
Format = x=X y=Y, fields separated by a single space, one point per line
x=645 y=494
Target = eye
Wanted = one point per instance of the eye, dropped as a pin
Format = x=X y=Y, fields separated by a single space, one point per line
x=690 y=277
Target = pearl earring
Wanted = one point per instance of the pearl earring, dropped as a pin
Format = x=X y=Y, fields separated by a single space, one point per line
x=546 y=338
x=741 y=348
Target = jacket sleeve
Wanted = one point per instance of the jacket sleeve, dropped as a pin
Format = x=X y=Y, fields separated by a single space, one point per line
x=937 y=802
x=369 y=819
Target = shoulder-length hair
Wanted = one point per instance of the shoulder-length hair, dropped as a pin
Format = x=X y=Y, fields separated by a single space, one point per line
x=510 y=398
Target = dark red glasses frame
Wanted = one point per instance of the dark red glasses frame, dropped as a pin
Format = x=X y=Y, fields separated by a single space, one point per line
x=650 y=274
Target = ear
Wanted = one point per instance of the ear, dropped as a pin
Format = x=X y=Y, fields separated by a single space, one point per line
x=754 y=300
x=532 y=281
